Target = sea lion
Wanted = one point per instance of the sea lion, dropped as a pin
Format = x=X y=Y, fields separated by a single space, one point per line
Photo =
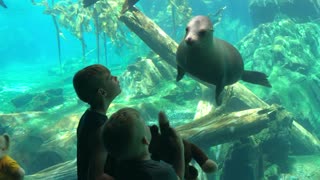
x=212 y=60
x=3 y=4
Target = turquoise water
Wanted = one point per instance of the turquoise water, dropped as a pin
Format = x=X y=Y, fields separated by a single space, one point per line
x=40 y=110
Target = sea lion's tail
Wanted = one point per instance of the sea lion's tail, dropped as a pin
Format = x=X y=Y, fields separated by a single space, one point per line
x=255 y=77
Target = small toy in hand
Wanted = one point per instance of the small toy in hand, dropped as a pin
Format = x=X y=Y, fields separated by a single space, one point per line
x=161 y=149
x=9 y=168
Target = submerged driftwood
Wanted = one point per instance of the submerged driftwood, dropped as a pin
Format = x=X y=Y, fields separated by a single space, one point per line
x=62 y=171
x=213 y=130
x=151 y=34
x=304 y=142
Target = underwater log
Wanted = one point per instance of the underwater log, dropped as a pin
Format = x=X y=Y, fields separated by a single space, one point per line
x=304 y=142
x=151 y=34
x=212 y=130
x=62 y=171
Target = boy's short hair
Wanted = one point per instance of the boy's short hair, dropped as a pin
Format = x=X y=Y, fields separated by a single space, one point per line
x=87 y=81
x=123 y=134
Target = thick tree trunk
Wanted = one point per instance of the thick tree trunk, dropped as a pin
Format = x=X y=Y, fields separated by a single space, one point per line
x=212 y=130
x=302 y=141
x=151 y=34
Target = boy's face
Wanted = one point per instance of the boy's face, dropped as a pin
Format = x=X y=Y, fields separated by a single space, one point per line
x=110 y=84
x=146 y=129
x=148 y=133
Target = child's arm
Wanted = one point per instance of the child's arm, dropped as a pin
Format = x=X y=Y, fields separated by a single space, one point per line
x=179 y=161
x=175 y=139
x=96 y=167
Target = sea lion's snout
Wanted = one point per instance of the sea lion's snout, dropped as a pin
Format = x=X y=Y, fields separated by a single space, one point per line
x=190 y=37
x=189 y=40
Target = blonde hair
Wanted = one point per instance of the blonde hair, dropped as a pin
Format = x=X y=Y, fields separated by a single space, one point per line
x=123 y=134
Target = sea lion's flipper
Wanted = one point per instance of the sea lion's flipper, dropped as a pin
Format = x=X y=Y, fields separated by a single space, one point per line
x=181 y=73
x=255 y=77
x=219 y=89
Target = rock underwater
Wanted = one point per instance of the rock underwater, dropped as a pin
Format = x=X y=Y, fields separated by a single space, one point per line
x=264 y=11
x=288 y=52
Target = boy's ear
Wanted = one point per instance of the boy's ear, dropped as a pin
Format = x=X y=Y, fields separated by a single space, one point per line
x=145 y=140
x=102 y=92
x=7 y=139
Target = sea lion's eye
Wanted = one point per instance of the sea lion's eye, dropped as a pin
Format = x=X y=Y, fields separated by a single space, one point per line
x=202 y=32
x=187 y=29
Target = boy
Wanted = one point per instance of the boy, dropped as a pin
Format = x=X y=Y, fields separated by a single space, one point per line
x=127 y=139
x=96 y=86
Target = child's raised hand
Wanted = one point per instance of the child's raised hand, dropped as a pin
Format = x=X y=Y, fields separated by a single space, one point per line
x=169 y=134
x=173 y=151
